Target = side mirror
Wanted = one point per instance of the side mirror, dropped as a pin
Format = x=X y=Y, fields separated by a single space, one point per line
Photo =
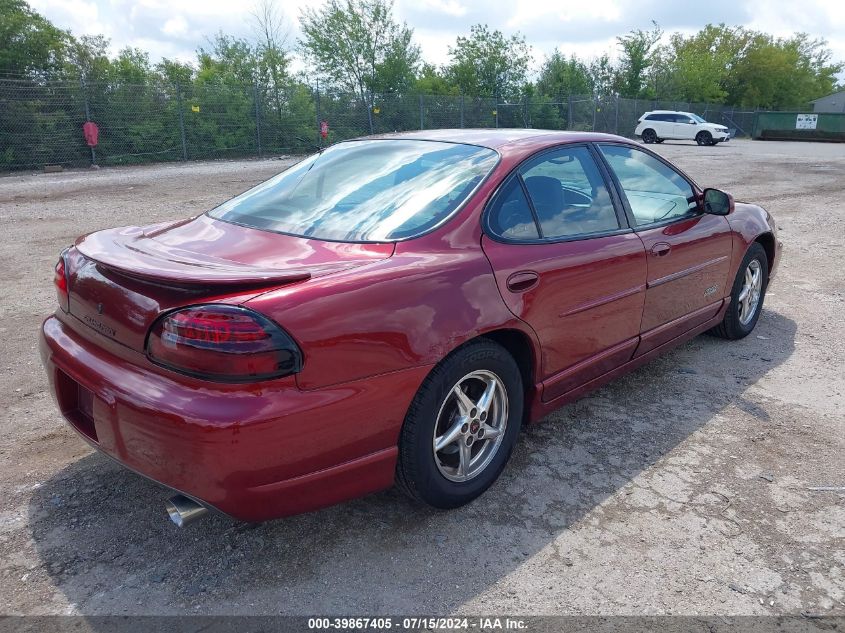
x=718 y=202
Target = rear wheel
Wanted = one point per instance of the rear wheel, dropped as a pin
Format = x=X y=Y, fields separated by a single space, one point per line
x=704 y=138
x=747 y=295
x=649 y=136
x=461 y=427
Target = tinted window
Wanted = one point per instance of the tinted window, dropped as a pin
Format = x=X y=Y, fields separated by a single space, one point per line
x=376 y=190
x=569 y=194
x=655 y=192
x=511 y=216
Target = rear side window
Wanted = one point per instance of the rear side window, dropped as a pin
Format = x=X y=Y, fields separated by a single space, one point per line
x=511 y=216
x=569 y=194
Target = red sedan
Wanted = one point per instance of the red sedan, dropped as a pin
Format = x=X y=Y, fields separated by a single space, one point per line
x=391 y=310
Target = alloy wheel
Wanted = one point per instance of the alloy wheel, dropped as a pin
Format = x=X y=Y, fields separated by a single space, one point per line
x=752 y=288
x=470 y=426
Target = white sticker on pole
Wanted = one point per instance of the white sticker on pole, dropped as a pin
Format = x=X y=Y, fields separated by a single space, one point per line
x=806 y=121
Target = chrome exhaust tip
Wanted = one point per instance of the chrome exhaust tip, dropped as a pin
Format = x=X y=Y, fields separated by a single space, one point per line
x=183 y=510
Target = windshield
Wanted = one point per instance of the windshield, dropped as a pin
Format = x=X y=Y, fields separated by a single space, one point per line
x=364 y=191
x=697 y=118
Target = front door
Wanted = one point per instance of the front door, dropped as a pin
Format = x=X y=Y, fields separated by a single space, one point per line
x=688 y=252
x=566 y=263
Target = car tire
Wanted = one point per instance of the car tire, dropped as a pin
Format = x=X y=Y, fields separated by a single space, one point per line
x=649 y=136
x=446 y=478
x=704 y=138
x=747 y=295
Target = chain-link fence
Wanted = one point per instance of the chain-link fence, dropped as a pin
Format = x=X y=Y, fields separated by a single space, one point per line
x=41 y=124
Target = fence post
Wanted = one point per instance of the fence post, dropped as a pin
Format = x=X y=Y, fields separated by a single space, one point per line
x=257 y=118
x=595 y=111
x=422 y=123
x=525 y=111
x=569 y=112
x=88 y=115
x=319 y=117
x=616 y=124
x=462 y=110
x=181 y=119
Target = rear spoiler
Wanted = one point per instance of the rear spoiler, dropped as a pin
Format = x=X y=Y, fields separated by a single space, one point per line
x=130 y=252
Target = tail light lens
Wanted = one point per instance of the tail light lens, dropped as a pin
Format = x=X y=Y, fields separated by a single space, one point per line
x=221 y=342
x=60 y=281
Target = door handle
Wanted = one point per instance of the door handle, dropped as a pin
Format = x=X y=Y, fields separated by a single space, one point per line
x=522 y=280
x=661 y=249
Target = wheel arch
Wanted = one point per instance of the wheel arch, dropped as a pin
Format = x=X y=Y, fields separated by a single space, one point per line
x=521 y=348
x=767 y=241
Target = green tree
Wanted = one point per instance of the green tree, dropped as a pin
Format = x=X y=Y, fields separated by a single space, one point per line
x=434 y=81
x=272 y=52
x=228 y=60
x=356 y=46
x=88 y=58
x=488 y=64
x=132 y=66
x=695 y=68
x=172 y=72
x=604 y=76
x=561 y=76
x=637 y=57
x=777 y=73
x=30 y=46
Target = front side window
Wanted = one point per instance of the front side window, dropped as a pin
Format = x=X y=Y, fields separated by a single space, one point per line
x=365 y=191
x=569 y=194
x=655 y=191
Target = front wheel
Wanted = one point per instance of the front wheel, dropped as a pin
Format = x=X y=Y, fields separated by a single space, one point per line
x=461 y=427
x=747 y=295
x=704 y=138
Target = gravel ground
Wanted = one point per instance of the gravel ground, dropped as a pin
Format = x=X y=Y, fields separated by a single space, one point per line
x=683 y=488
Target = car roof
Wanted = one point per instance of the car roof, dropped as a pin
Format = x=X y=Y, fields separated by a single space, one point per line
x=498 y=138
x=668 y=112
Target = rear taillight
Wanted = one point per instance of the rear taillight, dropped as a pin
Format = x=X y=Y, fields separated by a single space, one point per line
x=60 y=280
x=222 y=342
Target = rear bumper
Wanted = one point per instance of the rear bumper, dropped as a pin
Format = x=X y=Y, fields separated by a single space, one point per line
x=255 y=452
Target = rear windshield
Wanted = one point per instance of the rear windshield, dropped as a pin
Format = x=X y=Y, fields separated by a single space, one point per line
x=365 y=191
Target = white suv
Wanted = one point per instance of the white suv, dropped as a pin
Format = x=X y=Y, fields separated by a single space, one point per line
x=659 y=125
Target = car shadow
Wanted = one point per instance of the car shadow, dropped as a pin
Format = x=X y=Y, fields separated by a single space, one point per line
x=102 y=532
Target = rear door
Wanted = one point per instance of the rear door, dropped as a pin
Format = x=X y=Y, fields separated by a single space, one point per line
x=664 y=125
x=567 y=263
x=688 y=252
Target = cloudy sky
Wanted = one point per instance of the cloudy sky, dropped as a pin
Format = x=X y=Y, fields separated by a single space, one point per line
x=175 y=28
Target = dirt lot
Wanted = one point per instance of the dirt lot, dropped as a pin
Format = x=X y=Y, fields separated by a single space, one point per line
x=684 y=488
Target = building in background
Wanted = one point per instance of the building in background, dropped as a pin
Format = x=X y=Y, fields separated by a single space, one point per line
x=830 y=103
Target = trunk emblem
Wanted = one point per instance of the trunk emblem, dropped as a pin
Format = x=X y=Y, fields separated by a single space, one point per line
x=99 y=308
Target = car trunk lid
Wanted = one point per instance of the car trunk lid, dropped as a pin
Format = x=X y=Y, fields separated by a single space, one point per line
x=121 y=280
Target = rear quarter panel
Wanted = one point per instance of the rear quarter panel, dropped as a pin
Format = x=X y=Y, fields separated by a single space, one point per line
x=435 y=293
